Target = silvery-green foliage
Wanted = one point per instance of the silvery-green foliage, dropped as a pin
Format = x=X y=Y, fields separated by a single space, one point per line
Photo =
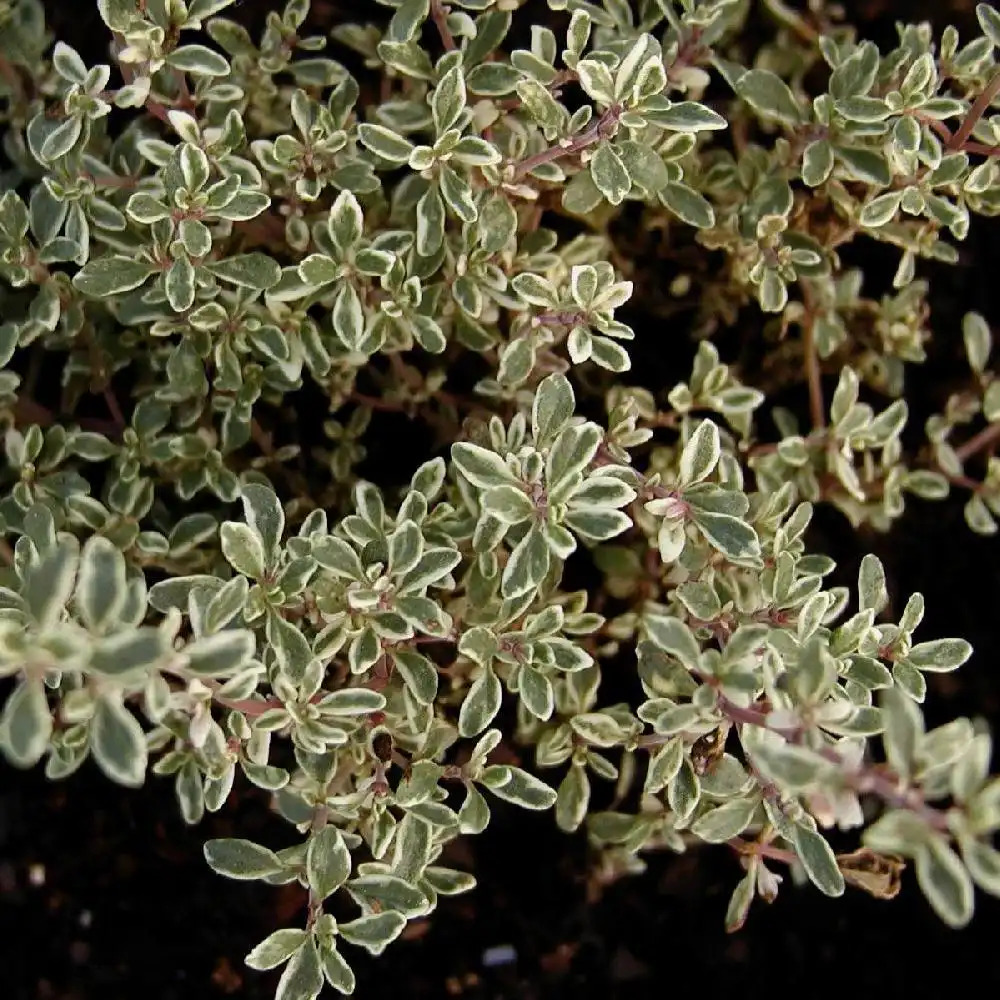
x=177 y=598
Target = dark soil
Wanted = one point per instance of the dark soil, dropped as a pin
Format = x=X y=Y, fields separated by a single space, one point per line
x=104 y=894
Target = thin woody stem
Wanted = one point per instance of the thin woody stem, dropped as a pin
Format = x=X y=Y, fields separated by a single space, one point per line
x=976 y=112
x=439 y=15
x=874 y=780
x=755 y=849
x=603 y=128
x=817 y=409
x=986 y=437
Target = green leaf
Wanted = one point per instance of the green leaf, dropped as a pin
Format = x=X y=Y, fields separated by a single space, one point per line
x=552 y=408
x=373 y=933
x=688 y=205
x=609 y=174
x=328 y=862
x=817 y=163
x=598 y=729
x=226 y=604
x=596 y=524
x=457 y=193
x=348 y=317
x=243 y=549
x=880 y=210
x=336 y=970
x=740 y=901
x=264 y=515
x=983 y=864
x=199 y=60
x=866 y=165
x=448 y=881
x=872 y=592
x=179 y=285
x=497 y=224
x=68 y=64
x=493 y=79
x=978 y=340
x=250 y=270
x=481 y=467
x=536 y=692
x=302 y=978
x=675 y=638
x=514 y=785
x=689 y=116
x=541 y=105
x=527 y=565
x=863 y=109
x=728 y=820
x=945 y=882
x=353 y=701
x=26 y=724
x=276 y=949
x=701 y=454
x=733 y=537
x=390 y=892
x=335 y=555
x=430 y=222
x=769 y=96
x=448 y=100
x=62 y=138
x=419 y=674
x=102 y=587
x=684 y=791
x=241 y=859
x=222 y=654
x=819 y=861
x=939 y=655
x=989 y=21
x=107 y=276
x=385 y=143
x=481 y=704
x=124 y=652
x=572 y=799
x=508 y=504
x=903 y=729
x=407 y=20
x=118 y=743
x=793 y=766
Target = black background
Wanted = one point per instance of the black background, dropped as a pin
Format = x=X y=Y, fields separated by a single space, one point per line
x=128 y=909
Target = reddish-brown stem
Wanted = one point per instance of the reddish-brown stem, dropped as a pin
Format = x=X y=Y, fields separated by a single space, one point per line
x=978 y=109
x=154 y=107
x=262 y=438
x=875 y=780
x=755 y=849
x=439 y=15
x=249 y=706
x=813 y=373
x=603 y=128
x=935 y=125
x=981 y=148
x=113 y=408
x=984 y=439
x=10 y=74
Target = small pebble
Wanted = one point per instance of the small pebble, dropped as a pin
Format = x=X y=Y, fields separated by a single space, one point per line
x=501 y=954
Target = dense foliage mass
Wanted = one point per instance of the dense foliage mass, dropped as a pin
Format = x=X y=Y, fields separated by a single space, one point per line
x=213 y=241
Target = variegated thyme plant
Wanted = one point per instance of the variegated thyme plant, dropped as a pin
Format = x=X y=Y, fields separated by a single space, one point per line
x=220 y=255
